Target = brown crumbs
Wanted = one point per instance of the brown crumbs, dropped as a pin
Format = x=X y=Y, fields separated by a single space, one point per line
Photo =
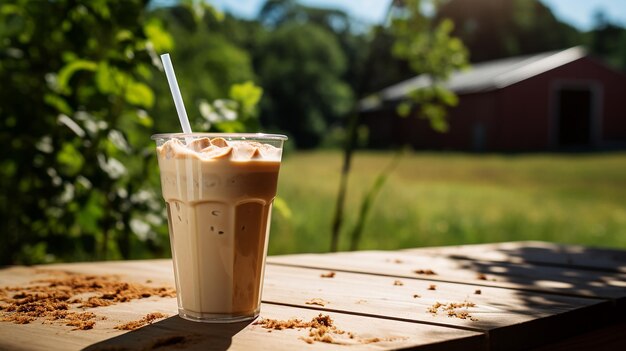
x=415 y=296
x=425 y=272
x=477 y=292
x=19 y=319
x=80 y=320
x=432 y=287
x=148 y=319
x=328 y=275
x=317 y=301
x=433 y=309
x=53 y=299
x=397 y=282
x=321 y=329
x=481 y=276
x=370 y=340
x=453 y=309
x=281 y=324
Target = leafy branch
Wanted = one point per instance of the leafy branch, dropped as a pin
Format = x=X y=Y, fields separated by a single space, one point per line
x=430 y=50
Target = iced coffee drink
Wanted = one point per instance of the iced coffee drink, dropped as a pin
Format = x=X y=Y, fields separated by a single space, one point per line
x=219 y=190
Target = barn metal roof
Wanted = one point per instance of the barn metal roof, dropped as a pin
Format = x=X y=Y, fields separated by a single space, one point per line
x=484 y=76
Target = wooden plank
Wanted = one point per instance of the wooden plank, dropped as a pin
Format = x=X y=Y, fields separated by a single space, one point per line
x=244 y=336
x=512 y=319
x=370 y=296
x=521 y=276
x=175 y=333
x=402 y=263
x=537 y=252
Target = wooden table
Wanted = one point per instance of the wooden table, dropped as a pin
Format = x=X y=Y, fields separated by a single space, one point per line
x=526 y=295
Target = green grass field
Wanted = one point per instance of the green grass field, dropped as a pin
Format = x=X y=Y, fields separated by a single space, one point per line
x=445 y=199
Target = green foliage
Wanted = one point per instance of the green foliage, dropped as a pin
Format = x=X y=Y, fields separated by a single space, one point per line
x=608 y=40
x=381 y=68
x=75 y=108
x=63 y=78
x=248 y=95
x=84 y=90
x=70 y=161
x=210 y=63
x=161 y=40
x=300 y=69
x=78 y=176
x=236 y=114
x=430 y=49
x=308 y=61
x=368 y=201
x=497 y=29
x=276 y=13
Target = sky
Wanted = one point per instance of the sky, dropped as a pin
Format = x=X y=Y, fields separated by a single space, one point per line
x=578 y=13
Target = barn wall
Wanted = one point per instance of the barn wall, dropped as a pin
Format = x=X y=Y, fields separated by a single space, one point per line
x=520 y=117
x=529 y=118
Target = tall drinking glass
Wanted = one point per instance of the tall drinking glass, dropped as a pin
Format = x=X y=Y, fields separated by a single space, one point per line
x=219 y=190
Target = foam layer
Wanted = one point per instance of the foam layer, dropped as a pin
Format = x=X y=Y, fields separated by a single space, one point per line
x=219 y=149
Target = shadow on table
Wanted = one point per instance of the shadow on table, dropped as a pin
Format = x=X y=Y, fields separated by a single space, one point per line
x=571 y=276
x=574 y=271
x=563 y=256
x=174 y=333
x=564 y=270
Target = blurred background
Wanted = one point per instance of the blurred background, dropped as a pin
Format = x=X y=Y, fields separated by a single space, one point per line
x=411 y=123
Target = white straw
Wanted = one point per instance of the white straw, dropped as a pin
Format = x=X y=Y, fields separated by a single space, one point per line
x=178 y=99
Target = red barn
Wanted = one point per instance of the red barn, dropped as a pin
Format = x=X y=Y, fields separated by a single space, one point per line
x=548 y=101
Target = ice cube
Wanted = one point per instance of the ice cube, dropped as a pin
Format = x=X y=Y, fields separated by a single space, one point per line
x=221 y=142
x=199 y=144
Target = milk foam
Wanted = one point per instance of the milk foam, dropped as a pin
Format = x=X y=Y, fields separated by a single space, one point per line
x=220 y=149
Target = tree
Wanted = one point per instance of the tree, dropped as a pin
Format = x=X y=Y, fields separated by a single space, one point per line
x=608 y=40
x=78 y=176
x=75 y=128
x=429 y=48
x=326 y=102
x=496 y=29
x=300 y=70
x=209 y=63
x=381 y=68
x=275 y=13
